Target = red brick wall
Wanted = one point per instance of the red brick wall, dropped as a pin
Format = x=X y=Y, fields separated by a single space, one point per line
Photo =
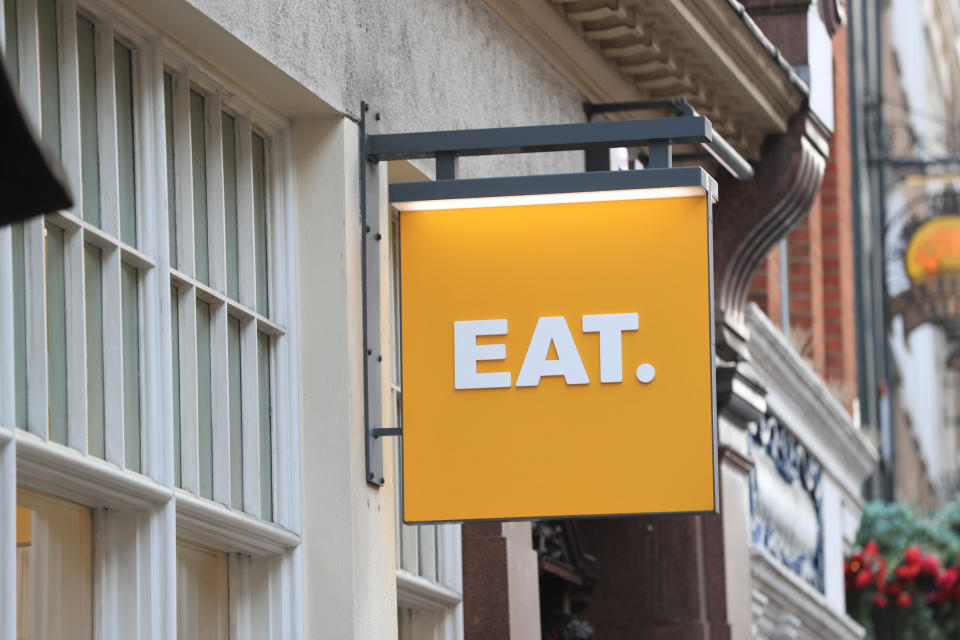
x=838 y=268
x=820 y=251
x=805 y=265
x=765 y=287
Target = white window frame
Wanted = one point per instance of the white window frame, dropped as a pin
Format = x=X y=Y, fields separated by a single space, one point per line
x=138 y=517
x=429 y=557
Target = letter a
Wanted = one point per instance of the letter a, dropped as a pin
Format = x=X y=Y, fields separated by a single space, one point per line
x=568 y=363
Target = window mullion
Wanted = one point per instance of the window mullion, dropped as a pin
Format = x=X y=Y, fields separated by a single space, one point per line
x=73 y=247
x=76 y=341
x=113 y=356
x=107 y=130
x=285 y=476
x=70 y=98
x=216 y=232
x=150 y=150
x=8 y=413
x=427 y=541
x=30 y=60
x=219 y=385
x=186 y=257
x=245 y=231
x=409 y=548
x=251 y=413
x=189 y=432
x=36 y=326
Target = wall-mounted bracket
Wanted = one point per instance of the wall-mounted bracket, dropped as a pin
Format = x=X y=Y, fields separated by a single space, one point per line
x=445 y=147
x=370 y=259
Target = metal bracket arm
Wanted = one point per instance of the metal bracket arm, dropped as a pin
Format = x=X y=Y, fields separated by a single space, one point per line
x=536 y=139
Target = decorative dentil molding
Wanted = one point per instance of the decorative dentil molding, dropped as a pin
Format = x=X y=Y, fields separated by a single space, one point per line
x=707 y=51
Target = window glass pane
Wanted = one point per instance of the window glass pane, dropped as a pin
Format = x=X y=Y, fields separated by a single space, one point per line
x=236 y=429
x=131 y=367
x=89 y=153
x=230 y=203
x=19 y=326
x=11 y=45
x=49 y=75
x=201 y=592
x=123 y=73
x=204 y=404
x=56 y=335
x=260 y=223
x=198 y=148
x=175 y=348
x=93 y=283
x=171 y=172
x=266 y=440
x=54 y=568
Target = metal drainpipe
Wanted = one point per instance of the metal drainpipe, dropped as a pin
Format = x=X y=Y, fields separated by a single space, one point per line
x=885 y=418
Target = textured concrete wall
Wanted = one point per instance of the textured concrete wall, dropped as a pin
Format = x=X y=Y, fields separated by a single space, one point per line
x=425 y=64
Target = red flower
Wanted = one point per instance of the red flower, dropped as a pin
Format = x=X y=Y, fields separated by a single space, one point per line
x=947 y=578
x=904 y=600
x=881 y=572
x=908 y=572
x=863 y=579
x=853 y=565
x=894 y=589
x=870 y=548
x=880 y=600
x=912 y=555
x=931 y=565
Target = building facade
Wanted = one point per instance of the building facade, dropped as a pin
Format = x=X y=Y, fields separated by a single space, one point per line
x=181 y=358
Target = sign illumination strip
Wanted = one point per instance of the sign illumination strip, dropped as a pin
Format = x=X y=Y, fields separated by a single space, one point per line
x=549 y=198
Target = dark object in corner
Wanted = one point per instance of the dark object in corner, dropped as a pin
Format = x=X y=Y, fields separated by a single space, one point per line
x=32 y=181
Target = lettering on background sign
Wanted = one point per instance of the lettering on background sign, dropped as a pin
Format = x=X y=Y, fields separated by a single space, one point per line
x=550 y=330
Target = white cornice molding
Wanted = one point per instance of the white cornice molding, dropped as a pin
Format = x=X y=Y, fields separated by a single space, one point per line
x=814 y=415
x=788 y=594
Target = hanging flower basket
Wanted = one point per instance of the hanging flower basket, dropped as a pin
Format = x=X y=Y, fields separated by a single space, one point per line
x=920 y=598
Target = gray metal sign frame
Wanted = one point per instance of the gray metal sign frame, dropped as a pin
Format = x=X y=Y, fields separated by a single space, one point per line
x=658 y=135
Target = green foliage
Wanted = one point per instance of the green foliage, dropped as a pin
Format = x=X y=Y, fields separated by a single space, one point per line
x=895 y=527
x=949 y=517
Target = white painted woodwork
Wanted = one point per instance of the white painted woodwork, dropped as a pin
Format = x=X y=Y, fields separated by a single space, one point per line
x=8 y=527
x=250 y=410
x=137 y=518
x=76 y=322
x=29 y=60
x=107 y=132
x=113 y=357
x=186 y=257
x=220 y=402
x=36 y=309
x=189 y=402
x=245 y=231
x=7 y=366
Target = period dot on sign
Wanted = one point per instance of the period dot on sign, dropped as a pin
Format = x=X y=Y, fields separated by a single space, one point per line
x=646 y=373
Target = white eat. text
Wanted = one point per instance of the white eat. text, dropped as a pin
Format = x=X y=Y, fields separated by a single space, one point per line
x=550 y=330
